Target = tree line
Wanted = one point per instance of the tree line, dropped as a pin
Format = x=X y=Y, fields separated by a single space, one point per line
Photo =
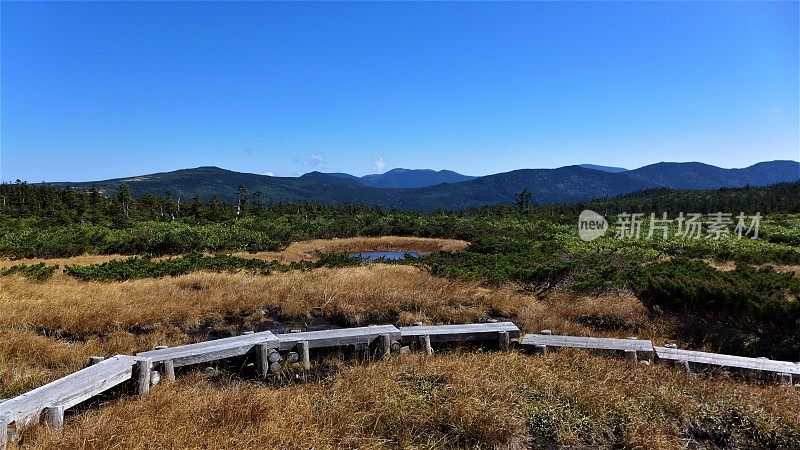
x=61 y=206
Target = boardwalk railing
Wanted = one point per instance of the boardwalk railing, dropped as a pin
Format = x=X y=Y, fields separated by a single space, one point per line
x=273 y=352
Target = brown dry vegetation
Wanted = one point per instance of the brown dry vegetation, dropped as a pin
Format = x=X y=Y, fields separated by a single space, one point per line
x=507 y=400
x=727 y=266
x=63 y=321
x=50 y=328
x=297 y=251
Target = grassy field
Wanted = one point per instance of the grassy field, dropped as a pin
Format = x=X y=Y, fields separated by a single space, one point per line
x=734 y=296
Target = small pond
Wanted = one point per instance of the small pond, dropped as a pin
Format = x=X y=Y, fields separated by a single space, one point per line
x=394 y=256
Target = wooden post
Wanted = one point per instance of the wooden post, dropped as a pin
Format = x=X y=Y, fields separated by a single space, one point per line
x=95 y=359
x=53 y=417
x=425 y=345
x=541 y=349
x=155 y=377
x=785 y=378
x=385 y=345
x=305 y=357
x=169 y=370
x=686 y=366
x=143 y=368
x=503 y=341
x=262 y=360
x=3 y=432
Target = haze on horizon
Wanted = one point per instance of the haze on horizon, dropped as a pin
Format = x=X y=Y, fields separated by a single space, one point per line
x=92 y=91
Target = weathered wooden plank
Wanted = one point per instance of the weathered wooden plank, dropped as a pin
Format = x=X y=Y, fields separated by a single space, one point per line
x=211 y=350
x=458 y=333
x=69 y=391
x=592 y=343
x=719 y=360
x=338 y=337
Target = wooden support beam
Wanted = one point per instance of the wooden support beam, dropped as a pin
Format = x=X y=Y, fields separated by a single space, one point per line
x=143 y=368
x=541 y=349
x=503 y=340
x=425 y=344
x=53 y=417
x=169 y=370
x=305 y=356
x=262 y=360
x=385 y=345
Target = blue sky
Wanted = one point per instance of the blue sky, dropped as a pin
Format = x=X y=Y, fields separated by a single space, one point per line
x=103 y=90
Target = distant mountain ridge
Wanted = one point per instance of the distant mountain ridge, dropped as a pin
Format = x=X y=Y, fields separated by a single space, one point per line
x=561 y=185
x=406 y=178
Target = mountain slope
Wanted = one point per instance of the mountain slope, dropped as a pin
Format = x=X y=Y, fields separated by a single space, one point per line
x=695 y=175
x=565 y=184
x=413 y=178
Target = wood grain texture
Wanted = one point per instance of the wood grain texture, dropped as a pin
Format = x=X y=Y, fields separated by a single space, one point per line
x=592 y=343
x=719 y=360
x=338 y=337
x=459 y=333
x=26 y=409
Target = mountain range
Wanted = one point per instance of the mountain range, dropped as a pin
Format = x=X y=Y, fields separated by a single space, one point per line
x=430 y=190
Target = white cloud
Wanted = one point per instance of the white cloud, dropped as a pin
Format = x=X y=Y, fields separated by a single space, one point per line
x=269 y=174
x=379 y=164
x=314 y=159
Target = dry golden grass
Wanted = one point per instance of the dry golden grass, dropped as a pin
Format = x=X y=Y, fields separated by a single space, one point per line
x=64 y=321
x=727 y=266
x=306 y=250
x=506 y=400
x=351 y=296
x=29 y=360
x=297 y=251
x=50 y=328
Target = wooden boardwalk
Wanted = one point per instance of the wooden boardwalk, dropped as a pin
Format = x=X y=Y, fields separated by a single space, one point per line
x=783 y=369
x=217 y=349
x=460 y=333
x=633 y=348
x=339 y=337
x=273 y=353
x=48 y=402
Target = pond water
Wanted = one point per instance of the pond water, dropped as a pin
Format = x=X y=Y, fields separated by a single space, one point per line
x=394 y=256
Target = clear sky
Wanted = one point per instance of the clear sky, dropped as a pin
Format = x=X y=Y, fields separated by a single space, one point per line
x=103 y=90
